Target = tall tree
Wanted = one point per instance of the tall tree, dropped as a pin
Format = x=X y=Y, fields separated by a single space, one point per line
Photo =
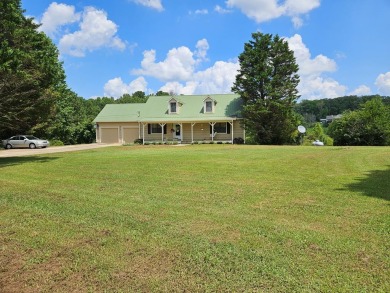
x=30 y=72
x=267 y=82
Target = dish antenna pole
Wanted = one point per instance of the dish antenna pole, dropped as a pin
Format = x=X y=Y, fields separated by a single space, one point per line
x=302 y=131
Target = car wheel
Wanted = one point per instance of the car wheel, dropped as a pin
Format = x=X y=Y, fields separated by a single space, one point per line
x=8 y=146
x=32 y=146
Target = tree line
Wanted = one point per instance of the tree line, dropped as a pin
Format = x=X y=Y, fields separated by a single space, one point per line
x=314 y=110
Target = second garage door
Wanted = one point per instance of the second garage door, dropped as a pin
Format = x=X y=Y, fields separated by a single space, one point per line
x=130 y=134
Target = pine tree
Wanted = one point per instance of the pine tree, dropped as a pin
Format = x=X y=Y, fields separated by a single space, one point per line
x=267 y=82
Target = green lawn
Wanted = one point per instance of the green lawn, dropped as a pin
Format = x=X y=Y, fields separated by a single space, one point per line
x=197 y=218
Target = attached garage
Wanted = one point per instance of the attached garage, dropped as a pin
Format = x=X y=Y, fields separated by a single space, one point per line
x=109 y=135
x=130 y=134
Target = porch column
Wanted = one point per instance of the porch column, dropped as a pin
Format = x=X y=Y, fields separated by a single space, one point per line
x=192 y=132
x=231 y=129
x=181 y=132
x=162 y=131
x=212 y=130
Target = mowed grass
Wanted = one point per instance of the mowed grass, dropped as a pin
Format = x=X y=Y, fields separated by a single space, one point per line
x=200 y=218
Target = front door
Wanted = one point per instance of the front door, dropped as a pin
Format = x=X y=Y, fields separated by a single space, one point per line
x=177 y=131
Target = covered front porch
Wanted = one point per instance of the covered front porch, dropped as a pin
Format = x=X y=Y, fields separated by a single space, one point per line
x=190 y=131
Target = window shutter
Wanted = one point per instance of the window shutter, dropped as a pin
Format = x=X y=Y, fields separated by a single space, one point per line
x=149 y=128
x=165 y=129
x=228 y=127
x=211 y=129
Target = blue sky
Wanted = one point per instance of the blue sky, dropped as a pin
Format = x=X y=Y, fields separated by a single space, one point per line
x=191 y=46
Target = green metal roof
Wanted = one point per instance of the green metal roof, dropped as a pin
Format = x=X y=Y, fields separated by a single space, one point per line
x=120 y=113
x=191 y=108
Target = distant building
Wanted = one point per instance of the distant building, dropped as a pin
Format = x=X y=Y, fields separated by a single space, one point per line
x=330 y=118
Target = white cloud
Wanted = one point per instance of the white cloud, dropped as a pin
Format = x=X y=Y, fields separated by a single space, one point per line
x=313 y=88
x=179 y=89
x=116 y=87
x=178 y=65
x=201 y=11
x=179 y=72
x=297 y=21
x=264 y=10
x=57 y=15
x=260 y=11
x=202 y=46
x=296 y=7
x=221 y=10
x=383 y=83
x=217 y=79
x=313 y=84
x=155 y=4
x=96 y=31
x=362 y=90
x=307 y=65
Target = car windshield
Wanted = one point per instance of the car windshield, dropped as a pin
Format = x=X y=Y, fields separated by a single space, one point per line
x=30 y=137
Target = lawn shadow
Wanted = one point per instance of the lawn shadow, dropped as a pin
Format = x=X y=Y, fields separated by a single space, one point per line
x=375 y=184
x=12 y=161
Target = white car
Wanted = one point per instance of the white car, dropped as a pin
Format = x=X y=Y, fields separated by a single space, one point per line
x=25 y=141
x=318 y=143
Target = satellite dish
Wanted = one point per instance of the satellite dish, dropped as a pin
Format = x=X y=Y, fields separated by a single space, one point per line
x=301 y=129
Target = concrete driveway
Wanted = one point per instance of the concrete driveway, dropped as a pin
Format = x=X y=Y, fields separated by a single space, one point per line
x=51 y=150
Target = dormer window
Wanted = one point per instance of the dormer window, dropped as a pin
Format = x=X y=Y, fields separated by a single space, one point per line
x=173 y=106
x=209 y=105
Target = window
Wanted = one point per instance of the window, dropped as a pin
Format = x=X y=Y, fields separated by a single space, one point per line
x=156 y=128
x=173 y=107
x=209 y=106
x=221 y=127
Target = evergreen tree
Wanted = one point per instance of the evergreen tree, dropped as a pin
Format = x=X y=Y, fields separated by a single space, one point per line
x=267 y=82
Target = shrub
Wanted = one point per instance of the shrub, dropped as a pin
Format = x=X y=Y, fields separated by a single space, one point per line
x=56 y=142
x=238 y=140
x=138 y=141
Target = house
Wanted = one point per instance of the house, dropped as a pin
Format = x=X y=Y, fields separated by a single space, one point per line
x=330 y=118
x=185 y=119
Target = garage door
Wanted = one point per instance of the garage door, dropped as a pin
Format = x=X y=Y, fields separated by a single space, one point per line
x=110 y=135
x=130 y=134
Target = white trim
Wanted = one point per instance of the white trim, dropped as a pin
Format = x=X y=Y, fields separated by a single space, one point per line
x=162 y=131
x=192 y=132
x=212 y=130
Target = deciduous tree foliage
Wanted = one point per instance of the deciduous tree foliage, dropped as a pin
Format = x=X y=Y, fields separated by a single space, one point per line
x=30 y=72
x=369 y=125
x=267 y=82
